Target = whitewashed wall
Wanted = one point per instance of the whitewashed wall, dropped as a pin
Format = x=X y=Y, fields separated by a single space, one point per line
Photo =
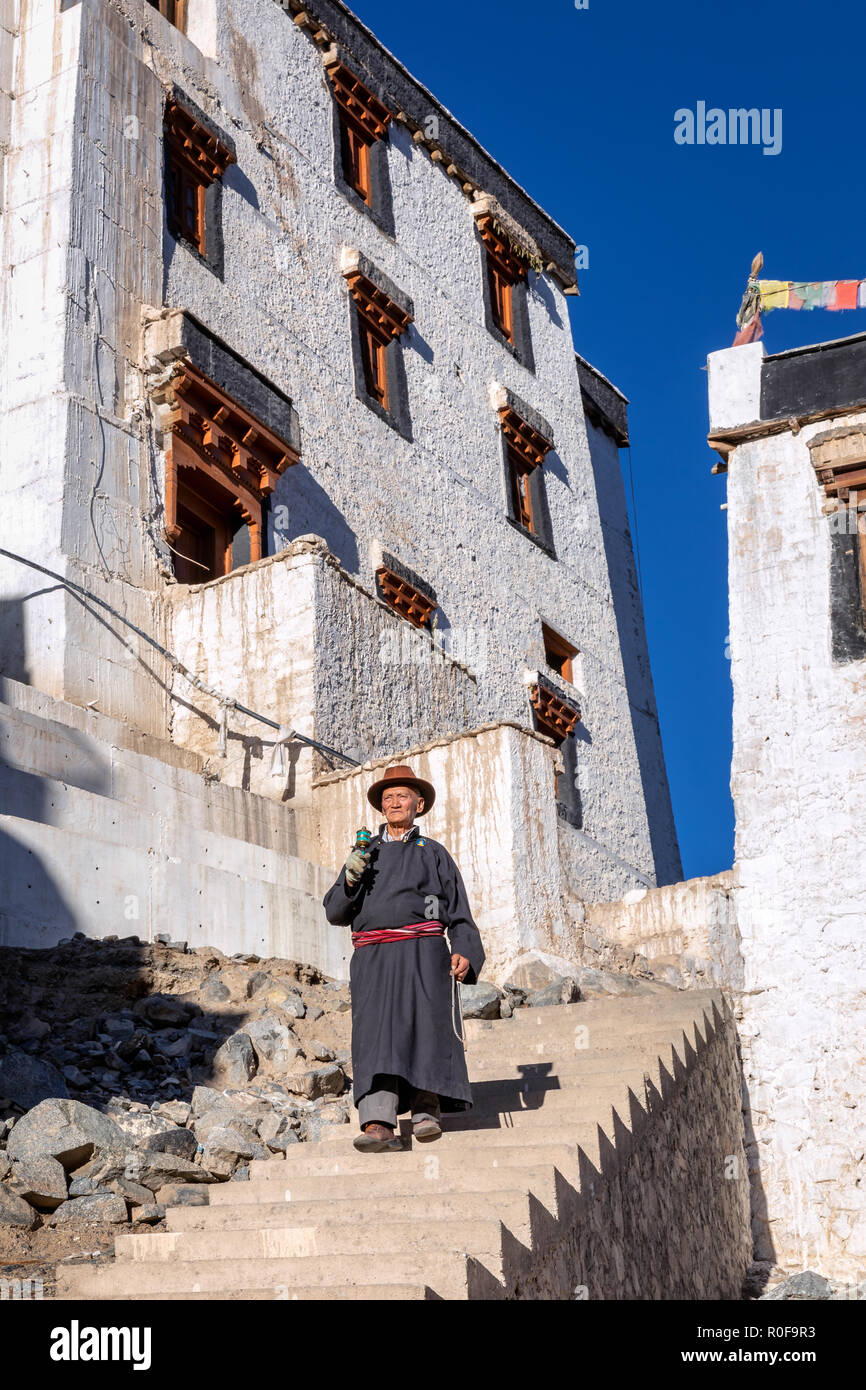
x=798 y=780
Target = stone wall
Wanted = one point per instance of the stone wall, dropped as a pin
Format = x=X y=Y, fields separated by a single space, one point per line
x=799 y=785
x=676 y=1164
x=687 y=931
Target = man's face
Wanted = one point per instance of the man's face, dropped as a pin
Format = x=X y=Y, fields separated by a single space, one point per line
x=400 y=806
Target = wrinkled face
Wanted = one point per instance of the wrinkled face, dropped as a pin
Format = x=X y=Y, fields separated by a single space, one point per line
x=401 y=805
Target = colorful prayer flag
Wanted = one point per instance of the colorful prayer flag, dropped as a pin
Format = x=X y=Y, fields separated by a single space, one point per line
x=846 y=294
x=815 y=294
x=774 y=293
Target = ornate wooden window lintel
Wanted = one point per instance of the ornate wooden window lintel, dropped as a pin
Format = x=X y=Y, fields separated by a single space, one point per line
x=229 y=459
x=357 y=102
x=555 y=716
x=363 y=121
x=504 y=270
x=405 y=598
x=527 y=443
x=385 y=316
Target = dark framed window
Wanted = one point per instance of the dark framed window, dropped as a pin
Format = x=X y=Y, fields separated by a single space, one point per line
x=839 y=459
x=361 y=144
x=221 y=466
x=374 y=359
x=172 y=10
x=558 y=653
x=524 y=452
x=378 y=324
x=195 y=162
x=505 y=297
x=355 y=153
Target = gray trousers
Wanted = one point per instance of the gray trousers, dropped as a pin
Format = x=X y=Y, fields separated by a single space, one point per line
x=380 y=1105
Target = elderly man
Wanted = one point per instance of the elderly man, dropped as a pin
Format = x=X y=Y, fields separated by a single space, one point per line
x=399 y=896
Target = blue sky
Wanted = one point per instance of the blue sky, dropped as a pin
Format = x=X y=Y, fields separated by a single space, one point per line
x=578 y=106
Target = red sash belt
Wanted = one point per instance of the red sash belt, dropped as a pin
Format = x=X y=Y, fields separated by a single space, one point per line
x=372 y=937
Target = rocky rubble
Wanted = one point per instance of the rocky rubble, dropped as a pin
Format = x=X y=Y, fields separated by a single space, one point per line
x=134 y=1074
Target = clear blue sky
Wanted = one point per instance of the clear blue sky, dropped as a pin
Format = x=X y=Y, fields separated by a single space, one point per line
x=578 y=106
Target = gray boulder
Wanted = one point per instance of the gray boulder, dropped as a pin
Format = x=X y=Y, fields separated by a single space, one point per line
x=269 y=1036
x=215 y=990
x=166 y=1011
x=235 y=1062
x=178 y=1111
x=67 y=1130
x=204 y=1098
x=562 y=990
x=180 y=1142
x=28 y=1080
x=226 y=1142
x=142 y=1127
x=480 y=1001
x=81 y=1211
x=155 y=1170
x=147 y=1215
x=40 y=1181
x=14 y=1211
x=177 y=1195
x=32 y=1027
x=317 y=1081
x=800 y=1287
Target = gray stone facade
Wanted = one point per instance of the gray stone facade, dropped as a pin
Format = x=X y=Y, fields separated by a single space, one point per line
x=91 y=277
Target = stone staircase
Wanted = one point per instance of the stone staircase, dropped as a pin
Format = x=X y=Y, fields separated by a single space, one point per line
x=568 y=1100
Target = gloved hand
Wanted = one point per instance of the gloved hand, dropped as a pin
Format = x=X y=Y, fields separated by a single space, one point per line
x=355 y=865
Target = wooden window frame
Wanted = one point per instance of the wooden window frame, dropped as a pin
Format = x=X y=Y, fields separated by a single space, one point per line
x=841 y=469
x=195 y=158
x=172 y=10
x=504 y=270
x=374 y=359
x=380 y=321
x=363 y=120
x=525 y=450
x=557 y=646
x=519 y=480
x=221 y=448
x=405 y=598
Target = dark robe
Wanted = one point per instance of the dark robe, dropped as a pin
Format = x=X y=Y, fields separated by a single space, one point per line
x=401 y=990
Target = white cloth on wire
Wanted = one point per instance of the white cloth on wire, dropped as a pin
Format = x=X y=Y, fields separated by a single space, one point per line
x=279 y=765
x=224 y=726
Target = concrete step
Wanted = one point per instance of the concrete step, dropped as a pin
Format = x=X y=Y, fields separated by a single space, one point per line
x=509 y=1205
x=445 y=1272
x=289 y=1240
x=449 y=1155
x=567 y=1020
x=531 y=1049
x=396 y=1293
x=563 y=1073
x=447 y=1179
x=625 y=1010
x=466 y=1136
x=576 y=1105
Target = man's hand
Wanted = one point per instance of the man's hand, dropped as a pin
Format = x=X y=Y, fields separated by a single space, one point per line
x=355 y=865
x=459 y=966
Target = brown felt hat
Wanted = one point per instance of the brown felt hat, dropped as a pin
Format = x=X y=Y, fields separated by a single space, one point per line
x=401 y=776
